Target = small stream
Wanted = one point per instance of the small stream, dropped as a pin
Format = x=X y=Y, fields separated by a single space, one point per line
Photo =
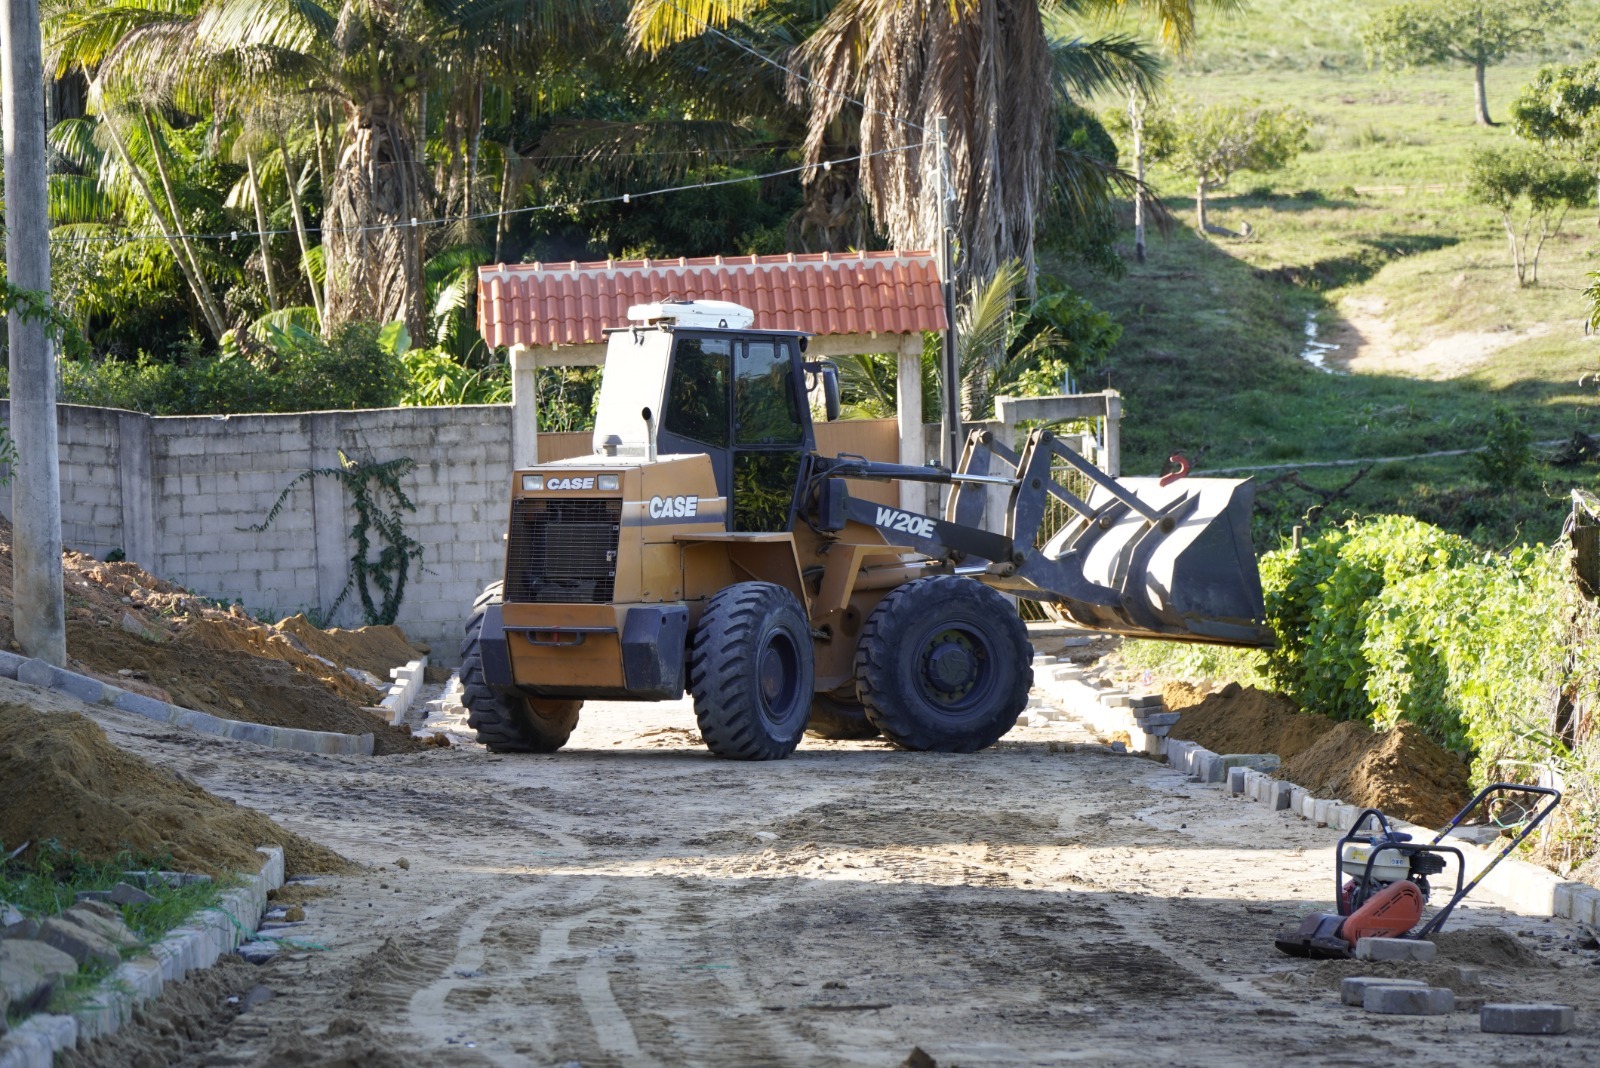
x=1316 y=352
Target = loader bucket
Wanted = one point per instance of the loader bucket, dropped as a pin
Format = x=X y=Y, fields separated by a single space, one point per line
x=1188 y=575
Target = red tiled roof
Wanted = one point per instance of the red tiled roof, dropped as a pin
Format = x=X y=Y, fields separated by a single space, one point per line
x=537 y=304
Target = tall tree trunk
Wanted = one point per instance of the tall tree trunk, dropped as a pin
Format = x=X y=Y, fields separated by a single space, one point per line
x=1136 y=124
x=261 y=227
x=1516 y=250
x=160 y=216
x=374 y=252
x=40 y=613
x=1480 y=99
x=208 y=302
x=1200 y=207
x=505 y=186
x=317 y=301
x=476 y=127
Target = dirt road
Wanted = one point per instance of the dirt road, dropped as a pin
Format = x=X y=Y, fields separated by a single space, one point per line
x=633 y=901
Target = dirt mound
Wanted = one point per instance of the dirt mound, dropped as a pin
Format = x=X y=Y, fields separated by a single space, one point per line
x=201 y=672
x=1486 y=946
x=66 y=781
x=238 y=636
x=1177 y=696
x=1402 y=772
x=1237 y=719
x=372 y=649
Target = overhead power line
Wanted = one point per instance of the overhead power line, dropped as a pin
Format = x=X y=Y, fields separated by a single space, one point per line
x=564 y=205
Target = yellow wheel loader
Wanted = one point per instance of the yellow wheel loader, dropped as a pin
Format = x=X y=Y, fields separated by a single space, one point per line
x=706 y=545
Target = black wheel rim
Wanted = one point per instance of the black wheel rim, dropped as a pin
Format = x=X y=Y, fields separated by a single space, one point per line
x=955 y=669
x=778 y=679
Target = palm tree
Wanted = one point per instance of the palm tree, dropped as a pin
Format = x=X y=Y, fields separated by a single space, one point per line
x=989 y=68
x=374 y=62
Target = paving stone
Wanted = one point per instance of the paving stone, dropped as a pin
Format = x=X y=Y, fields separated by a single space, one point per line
x=258 y=952
x=123 y=894
x=9 y=663
x=140 y=705
x=1254 y=761
x=1236 y=780
x=1147 y=700
x=1322 y=811
x=1279 y=795
x=35 y=672
x=1160 y=719
x=1409 y=1000
x=1353 y=989
x=23 y=928
x=104 y=920
x=80 y=943
x=1506 y=1019
x=29 y=970
x=89 y=691
x=1411 y=949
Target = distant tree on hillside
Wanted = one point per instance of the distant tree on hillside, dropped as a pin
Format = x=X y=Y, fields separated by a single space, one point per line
x=1528 y=188
x=1212 y=143
x=1560 y=110
x=1478 y=33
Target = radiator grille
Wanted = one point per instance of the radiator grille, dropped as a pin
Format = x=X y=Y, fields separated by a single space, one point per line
x=562 y=550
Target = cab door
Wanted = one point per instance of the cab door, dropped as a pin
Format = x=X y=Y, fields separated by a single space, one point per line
x=739 y=399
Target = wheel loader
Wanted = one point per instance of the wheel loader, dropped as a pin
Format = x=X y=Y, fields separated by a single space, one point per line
x=707 y=546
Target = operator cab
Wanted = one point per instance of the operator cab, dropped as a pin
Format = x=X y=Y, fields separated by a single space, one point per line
x=712 y=385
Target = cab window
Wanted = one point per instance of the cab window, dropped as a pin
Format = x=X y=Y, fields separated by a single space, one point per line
x=697 y=399
x=764 y=396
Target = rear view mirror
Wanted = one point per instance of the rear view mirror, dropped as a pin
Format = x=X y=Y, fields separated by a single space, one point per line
x=830 y=391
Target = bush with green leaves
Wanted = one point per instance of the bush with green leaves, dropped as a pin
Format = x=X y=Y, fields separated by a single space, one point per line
x=1508 y=450
x=283 y=368
x=1319 y=598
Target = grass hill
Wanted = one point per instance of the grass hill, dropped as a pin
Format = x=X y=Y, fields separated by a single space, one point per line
x=1369 y=242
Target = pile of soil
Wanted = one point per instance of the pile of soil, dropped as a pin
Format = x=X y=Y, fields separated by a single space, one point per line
x=1177 y=696
x=1488 y=947
x=133 y=630
x=64 y=780
x=203 y=668
x=1401 y=772
x=372 y=649
x=1238 y=719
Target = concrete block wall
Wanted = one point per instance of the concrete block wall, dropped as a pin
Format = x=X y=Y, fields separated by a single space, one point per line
x=178 y=494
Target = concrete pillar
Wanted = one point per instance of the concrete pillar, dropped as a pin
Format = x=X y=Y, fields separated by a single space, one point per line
x=329 y=522
x=908 y=410
x=136 y=483
x=40 y=616
x=524 y=409
x=1111 y=462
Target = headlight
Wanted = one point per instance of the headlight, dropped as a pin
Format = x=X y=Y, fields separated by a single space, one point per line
x=532 y=483
x=610 y=482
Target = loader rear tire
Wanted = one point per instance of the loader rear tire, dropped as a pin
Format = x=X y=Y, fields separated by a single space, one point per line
x=839 y=721
x=750 y=671
x=506 y=719
x=944 y=665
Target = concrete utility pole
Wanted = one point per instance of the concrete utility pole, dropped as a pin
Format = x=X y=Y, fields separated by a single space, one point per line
x=40 y=621
x=951 y=439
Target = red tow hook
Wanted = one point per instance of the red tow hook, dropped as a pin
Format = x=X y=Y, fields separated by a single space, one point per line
x=1183 y=469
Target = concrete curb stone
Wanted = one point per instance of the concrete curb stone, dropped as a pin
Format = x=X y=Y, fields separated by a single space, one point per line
x=1526 y=1019
x=209 y=934
x=1409 y=1000
x=94 y=692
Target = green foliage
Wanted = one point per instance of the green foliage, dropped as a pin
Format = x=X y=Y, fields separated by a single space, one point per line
x=286 y=368
x=1212 y=142
x=1508 y=450
x=1318 y=599
x=1529 y=188
x=1457 y=31
x=1561 y=108
x=1472 y=653
x=8 y=453
x=436 y=377
x=380 y=504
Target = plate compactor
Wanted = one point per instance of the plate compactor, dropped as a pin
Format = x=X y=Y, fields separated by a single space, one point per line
x=706 y=545
x=1381 y=877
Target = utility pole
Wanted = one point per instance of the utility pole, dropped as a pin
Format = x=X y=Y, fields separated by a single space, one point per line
x=950 y=440
x=1136 y=125
x=40 y=614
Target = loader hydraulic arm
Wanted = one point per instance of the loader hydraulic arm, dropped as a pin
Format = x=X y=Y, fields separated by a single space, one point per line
x=1137 y=558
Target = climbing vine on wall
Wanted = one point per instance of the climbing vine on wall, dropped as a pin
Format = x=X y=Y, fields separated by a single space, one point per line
x=380 y=505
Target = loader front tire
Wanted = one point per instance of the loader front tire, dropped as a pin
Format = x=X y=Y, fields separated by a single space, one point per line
x=838 y=720
x=944 y=665
x=750 y=672
x=506 y=719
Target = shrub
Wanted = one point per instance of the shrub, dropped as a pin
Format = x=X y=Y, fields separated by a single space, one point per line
x=1507 y=452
